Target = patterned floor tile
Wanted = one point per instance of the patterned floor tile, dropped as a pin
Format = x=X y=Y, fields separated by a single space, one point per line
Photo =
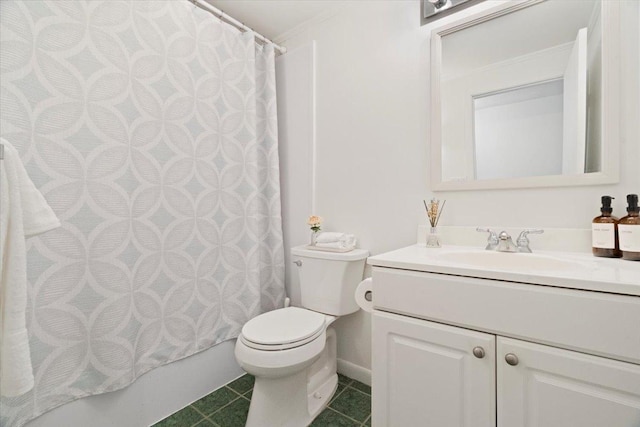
x=339 y=391
x=344 y=380
x=360 y=386
x=353 y=404
x=349 y=407
x=232 y=415
x=214 y=401
x=329 y=418
x=206 y=423
x=242 y=384
x=183 y=418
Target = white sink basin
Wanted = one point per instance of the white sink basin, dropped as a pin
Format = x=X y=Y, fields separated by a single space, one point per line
x=507 y=261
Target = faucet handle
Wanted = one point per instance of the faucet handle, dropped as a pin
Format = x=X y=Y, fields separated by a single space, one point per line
x=523 y=240
x=492 y=241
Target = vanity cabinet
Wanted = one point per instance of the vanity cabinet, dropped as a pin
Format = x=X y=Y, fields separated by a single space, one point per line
x=551 y=387
x=425 y=374
x=550 y=357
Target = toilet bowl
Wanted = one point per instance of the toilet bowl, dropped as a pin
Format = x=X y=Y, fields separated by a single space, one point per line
x=292 y=351
x=295 y=378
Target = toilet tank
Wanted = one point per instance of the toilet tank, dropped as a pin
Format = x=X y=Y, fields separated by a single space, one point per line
x=328 y=280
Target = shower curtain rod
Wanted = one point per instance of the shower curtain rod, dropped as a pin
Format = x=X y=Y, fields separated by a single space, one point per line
x=229 y=19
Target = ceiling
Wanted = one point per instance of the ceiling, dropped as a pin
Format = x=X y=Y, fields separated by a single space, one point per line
x=274 y=18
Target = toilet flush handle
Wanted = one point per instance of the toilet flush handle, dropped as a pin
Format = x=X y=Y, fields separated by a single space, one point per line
x=298 y=262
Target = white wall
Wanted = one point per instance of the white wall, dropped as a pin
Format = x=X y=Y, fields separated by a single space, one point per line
x=296 y=103
x=371 y=151
x=372 y=85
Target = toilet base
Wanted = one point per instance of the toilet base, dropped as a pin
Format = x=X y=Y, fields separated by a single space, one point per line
x=319 y=400
x=296 y=400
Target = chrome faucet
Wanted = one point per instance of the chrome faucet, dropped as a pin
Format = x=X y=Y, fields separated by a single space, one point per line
x=503 y=243
x=492 y=241
x=523 y=241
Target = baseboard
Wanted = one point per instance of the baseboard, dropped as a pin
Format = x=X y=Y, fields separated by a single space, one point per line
x=354 y=371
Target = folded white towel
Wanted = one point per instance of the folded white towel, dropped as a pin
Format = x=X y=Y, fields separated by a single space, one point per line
x=329 y=237
x=332 y=237
x=335 y=245
x=23 y=212
x=344 y=241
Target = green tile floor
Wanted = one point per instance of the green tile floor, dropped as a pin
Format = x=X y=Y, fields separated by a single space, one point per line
x=228 y=407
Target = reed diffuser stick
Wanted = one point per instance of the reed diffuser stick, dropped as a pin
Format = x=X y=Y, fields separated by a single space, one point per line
x=440 y=213
x=434 y=210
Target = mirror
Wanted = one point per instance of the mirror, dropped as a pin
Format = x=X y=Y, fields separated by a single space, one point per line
x=522 y=96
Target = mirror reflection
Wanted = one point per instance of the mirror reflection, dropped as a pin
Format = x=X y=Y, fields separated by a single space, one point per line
x=521 y=94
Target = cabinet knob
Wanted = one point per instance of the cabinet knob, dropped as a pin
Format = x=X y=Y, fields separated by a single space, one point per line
x=298 y=263
x=478 y=352
x=511 y=359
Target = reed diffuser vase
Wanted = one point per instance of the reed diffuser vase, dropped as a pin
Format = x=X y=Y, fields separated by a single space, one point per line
x=433 y=238
x=434 y=210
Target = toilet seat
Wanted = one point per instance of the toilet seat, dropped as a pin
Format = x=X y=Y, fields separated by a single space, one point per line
x=283 y=329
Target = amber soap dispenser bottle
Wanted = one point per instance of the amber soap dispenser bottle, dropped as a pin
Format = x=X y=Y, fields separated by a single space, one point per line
x=629 y=228
x=604 y=232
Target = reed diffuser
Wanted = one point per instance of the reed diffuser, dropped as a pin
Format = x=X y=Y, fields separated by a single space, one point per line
x=434 y=210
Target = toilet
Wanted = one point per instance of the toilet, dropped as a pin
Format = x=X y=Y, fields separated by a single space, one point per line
x=292 y=351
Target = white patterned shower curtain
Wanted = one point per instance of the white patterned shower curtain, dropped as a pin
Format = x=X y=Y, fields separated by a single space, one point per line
x=150 y=128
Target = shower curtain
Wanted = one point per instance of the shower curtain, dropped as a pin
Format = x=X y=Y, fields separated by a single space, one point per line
x=150 y=128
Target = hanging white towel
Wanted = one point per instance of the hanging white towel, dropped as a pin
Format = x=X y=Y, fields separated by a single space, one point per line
x=24 y=212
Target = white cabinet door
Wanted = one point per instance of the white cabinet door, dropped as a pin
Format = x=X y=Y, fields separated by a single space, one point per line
x=550 y=387
x=425 y=374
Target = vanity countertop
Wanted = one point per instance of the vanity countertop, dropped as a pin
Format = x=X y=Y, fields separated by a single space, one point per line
x=566 y=270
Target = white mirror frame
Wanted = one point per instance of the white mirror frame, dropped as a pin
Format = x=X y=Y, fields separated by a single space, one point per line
x=610 y=146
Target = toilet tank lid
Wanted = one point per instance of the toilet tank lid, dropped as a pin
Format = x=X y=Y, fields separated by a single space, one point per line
x=354 y=255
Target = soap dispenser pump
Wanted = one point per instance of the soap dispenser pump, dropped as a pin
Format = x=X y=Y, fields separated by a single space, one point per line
x=629 y=228
x=604 y=232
